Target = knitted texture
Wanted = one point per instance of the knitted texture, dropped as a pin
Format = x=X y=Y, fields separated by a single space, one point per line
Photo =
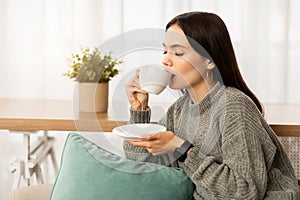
x=236 y=154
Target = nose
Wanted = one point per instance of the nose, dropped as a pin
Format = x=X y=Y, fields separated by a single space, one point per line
x=167 y=60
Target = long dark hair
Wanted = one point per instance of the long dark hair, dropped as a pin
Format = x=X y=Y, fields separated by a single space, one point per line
x=209 y=30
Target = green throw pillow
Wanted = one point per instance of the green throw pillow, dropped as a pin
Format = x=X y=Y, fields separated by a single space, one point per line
x=88 y=172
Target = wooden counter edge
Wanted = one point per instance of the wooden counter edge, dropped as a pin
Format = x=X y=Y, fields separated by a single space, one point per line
x=103 y=125
x=59 y=125
x=286 y=130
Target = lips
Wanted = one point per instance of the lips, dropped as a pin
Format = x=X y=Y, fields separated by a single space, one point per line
x=172 y=73
x=172 y=78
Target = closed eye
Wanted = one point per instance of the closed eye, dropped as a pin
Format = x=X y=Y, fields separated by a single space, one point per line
x=179 y=54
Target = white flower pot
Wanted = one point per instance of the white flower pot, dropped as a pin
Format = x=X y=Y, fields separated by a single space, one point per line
x=93 y=97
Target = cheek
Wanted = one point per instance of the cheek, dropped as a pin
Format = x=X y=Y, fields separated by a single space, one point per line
x=187 y=71
x=186 y=76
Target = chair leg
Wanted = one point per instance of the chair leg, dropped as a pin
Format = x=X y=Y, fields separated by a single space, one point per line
x=39 y=175
x=17 y=167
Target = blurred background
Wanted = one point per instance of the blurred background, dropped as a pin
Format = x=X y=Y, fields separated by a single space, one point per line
x=38 y=36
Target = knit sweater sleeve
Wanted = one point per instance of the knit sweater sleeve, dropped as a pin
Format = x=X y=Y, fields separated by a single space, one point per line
x=140 y=153
x=139 y=116
x=242 y=173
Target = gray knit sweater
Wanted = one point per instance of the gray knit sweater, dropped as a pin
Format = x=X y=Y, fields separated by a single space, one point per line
x=236 y=154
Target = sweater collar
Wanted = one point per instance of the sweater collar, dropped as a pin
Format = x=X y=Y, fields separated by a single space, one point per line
x=206 y=103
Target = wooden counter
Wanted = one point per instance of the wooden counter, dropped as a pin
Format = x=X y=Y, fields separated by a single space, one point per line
x=59 y=115
x=54 y=115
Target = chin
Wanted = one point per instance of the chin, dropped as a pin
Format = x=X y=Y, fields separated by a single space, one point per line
x=175 y=87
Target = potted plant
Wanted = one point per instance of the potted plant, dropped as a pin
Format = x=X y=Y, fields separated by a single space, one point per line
x=93 y=73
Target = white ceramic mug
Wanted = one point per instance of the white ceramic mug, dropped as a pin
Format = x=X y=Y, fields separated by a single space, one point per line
x=153 y=78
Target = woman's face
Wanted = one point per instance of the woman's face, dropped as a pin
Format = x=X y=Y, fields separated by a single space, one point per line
x=181 y=60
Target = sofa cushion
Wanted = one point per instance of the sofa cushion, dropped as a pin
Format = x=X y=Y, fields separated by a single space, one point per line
x=89 y=172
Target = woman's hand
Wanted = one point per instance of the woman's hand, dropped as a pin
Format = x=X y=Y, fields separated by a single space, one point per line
x=138 y=98
x=159 y=143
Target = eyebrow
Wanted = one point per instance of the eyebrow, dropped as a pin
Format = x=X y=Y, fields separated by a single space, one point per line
x=174 y=45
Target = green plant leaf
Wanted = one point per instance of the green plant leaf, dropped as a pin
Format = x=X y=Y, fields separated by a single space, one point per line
x=89 y=66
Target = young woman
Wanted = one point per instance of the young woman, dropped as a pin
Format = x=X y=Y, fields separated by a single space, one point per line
x=216 y=131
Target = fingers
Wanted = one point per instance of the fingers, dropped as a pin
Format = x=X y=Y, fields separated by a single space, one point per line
x=140 y=90
x=131 y=87
x=159 y=143
x=149 y=142
x=149 y=137
x=145 y=144
x=137 y=72
x=134 y=84
x=153 y=147
x=137 y=97
x=135 y=80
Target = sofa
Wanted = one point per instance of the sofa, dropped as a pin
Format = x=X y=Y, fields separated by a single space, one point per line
x=43 y=191
x=105 y=140
x=36 y=192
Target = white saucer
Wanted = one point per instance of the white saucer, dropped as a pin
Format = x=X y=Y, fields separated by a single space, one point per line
x=137 y=131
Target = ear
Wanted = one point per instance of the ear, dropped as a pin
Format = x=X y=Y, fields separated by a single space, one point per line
x=210 y=64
